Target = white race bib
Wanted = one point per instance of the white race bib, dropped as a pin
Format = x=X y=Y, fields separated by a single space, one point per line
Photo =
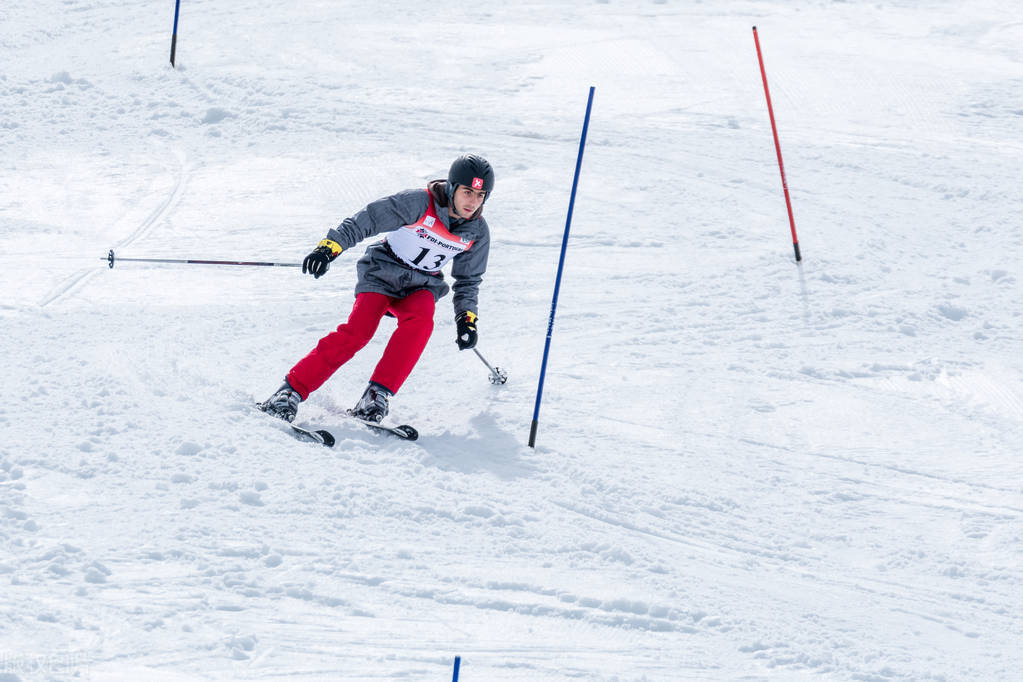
x=426 y=244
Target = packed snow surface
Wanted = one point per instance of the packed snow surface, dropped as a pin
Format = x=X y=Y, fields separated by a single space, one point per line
x=746 y=468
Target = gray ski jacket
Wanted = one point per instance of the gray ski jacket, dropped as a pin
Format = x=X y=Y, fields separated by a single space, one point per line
x=381 y=271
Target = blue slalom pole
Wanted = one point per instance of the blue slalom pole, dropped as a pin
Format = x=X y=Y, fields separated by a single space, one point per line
x=557 y=281
x=174 y=35
x=458 y=664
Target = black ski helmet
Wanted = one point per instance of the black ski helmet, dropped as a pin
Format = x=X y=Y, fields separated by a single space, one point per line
x=472 y=171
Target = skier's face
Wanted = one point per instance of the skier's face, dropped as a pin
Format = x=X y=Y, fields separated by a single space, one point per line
x=466 y=201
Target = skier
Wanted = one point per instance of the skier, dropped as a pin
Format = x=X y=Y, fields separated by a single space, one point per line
x=400 y=276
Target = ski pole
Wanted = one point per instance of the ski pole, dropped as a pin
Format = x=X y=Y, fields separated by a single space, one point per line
x=497 y=375
x=195 y=261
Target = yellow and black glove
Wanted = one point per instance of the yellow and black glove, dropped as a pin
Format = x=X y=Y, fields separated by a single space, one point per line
x=318 y=262
x=466 y=323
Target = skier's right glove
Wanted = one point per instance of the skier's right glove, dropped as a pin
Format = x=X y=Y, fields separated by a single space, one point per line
x=318 y=262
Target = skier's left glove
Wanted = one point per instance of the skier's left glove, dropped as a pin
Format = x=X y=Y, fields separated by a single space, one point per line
x=318 y=262
x=466 y=323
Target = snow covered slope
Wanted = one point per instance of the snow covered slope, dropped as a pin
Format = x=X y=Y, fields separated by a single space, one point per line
x=746 y=468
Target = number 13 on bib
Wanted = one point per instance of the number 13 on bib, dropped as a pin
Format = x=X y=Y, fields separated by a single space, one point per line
x=426 y=244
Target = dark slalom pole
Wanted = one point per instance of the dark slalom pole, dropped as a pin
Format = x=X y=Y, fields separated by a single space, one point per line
x=557 y=281
x=174 y=35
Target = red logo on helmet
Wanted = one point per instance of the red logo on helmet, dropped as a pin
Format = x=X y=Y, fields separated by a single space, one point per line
x=477 y=183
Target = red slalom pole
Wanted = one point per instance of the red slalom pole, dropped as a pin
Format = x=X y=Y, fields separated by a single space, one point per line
x=777 y=147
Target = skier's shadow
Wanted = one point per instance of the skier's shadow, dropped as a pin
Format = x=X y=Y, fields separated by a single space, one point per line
x=490 y=449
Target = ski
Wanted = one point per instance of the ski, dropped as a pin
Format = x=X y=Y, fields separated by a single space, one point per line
x=320 y=436
x=403 y=431
x=323 y=437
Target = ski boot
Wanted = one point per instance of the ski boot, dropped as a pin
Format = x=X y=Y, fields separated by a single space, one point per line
x=283 y=404
x=373 y=406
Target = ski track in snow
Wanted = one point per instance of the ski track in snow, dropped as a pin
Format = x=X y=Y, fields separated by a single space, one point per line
x=78 y=279
x=746 y=469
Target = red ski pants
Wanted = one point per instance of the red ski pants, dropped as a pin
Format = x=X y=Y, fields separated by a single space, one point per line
x=415 y=325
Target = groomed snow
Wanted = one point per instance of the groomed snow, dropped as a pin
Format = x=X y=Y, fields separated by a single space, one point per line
x=746 y=468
